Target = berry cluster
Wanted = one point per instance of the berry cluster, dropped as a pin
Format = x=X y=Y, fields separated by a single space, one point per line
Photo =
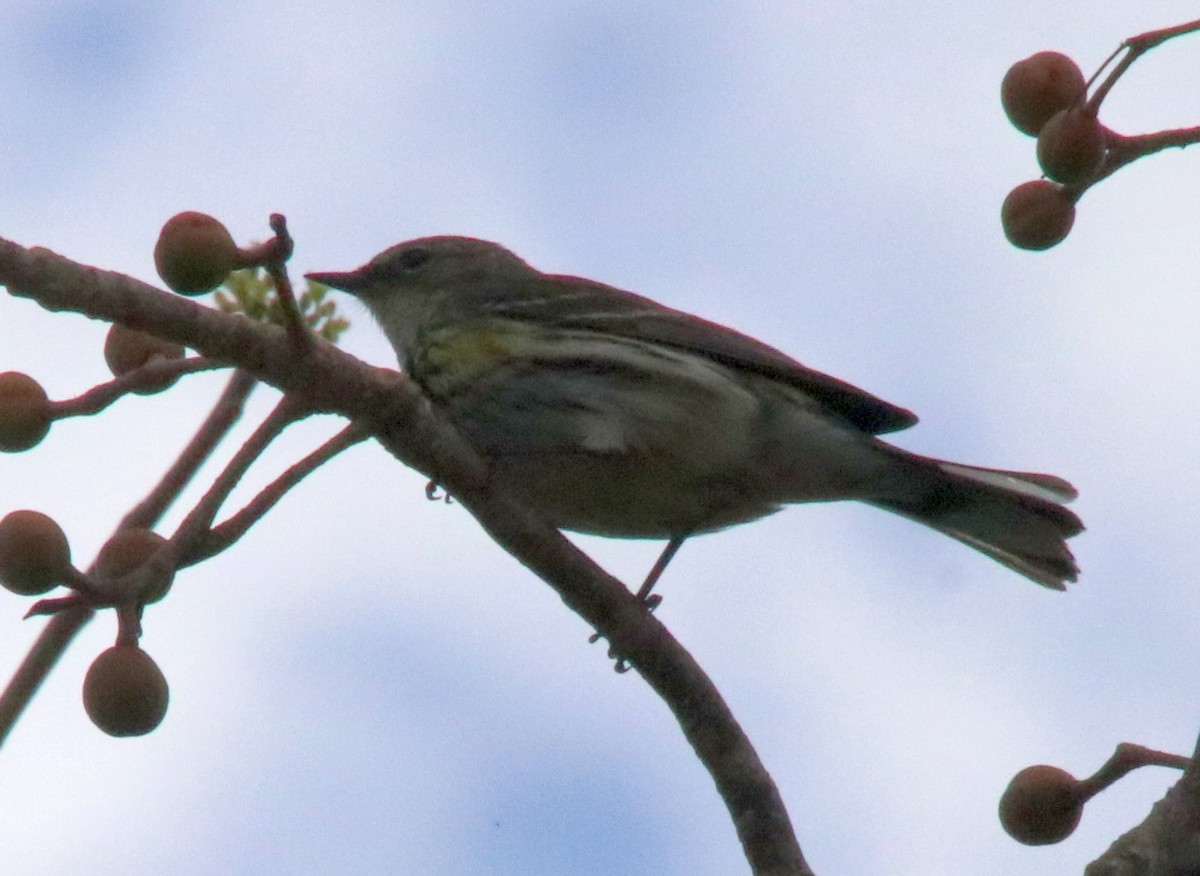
x=124 y=692
x=1046 y=96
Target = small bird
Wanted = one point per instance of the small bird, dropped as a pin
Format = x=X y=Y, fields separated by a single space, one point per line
x=614 y=415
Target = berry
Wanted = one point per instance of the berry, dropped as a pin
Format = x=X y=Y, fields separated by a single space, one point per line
x=1036 y=88
x=124 y=692
x=24 y=412
x=34 y=553
x=127 y=350
x=1070 y=147
x=125 y=552
x=194 y=253
x=1041 y=805
x=1037 y=215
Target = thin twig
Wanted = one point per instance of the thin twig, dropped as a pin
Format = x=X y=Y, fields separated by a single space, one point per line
x=1152 y=38
x=42 y=657
x=101 y=396
x=273 y=255
x=1123 y=150
x=197 y=524
x=225 y=413
x=229 y=531
x=1137 y=47
x=1128 y=757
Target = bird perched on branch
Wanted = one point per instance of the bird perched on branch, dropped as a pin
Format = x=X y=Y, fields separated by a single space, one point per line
x=614 y=415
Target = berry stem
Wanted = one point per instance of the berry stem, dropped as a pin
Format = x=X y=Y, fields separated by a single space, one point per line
x=1152 y=38
x=101 y=396
x=221 y=419
x=1137 y=46
x=197 y=525
x=1124 y=149
x=1127 y=758
x=273 y=255
x=129 y=624
x=229 y=531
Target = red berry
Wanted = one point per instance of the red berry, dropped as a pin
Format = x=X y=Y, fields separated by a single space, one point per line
x=1041 y=805
x=1036 y=88
x=1070 y=147
x=125 y=552
x=34 y=553
x=194 y=253
x=24 y=412
x=1037 y=215
x=124 y=692
x=127 y=350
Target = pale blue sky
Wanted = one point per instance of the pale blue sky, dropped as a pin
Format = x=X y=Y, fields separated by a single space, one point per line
x=366 y=684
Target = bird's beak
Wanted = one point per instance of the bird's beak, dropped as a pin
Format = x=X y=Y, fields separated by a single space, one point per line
x=347 y=281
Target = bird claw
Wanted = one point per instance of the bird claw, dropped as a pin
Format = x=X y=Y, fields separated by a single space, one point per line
x=432 y=494
x=651 y=601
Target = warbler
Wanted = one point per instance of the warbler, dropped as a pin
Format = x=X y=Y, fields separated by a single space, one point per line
x=612 y=414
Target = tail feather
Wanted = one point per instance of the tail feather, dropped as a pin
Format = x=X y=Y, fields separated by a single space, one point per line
x=1016 y=518
x=1042 y=486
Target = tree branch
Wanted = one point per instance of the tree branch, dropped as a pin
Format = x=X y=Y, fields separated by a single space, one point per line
x=1167 y=843
x=332 y=381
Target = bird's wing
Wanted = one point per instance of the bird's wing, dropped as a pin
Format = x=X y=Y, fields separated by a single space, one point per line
x=578 y=304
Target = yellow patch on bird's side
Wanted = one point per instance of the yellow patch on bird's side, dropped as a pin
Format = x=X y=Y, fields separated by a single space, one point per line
x=463 y=354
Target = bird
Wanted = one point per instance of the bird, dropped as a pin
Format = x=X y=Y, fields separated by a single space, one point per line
x=612 y=414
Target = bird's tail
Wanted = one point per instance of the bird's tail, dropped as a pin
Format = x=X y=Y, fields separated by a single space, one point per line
x=1016 y=518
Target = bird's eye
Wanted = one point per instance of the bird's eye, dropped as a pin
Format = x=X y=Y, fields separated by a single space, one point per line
x=411 y=259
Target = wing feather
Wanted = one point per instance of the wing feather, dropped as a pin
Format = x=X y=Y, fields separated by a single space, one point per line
x=592 y=306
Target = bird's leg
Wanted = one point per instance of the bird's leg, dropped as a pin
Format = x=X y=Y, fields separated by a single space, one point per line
x=643 y=593
x=644 y=596
x=660 y=566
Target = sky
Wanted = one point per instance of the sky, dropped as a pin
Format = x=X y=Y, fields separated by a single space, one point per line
x=366 y=684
